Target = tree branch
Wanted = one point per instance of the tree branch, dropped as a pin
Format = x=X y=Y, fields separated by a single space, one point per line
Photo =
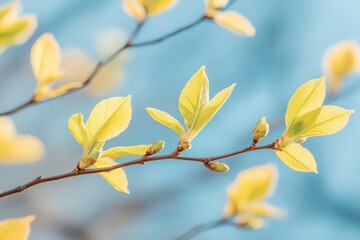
x=129 y=44
x=142 y=160
x=204 y=227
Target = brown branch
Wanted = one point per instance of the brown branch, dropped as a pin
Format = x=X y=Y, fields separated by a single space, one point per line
x=205 y=227
x=172 y=156
x=129 y=44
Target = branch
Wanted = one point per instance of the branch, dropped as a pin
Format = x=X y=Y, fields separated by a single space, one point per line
x=129 y=44
x=172 y=156
x=204 y=227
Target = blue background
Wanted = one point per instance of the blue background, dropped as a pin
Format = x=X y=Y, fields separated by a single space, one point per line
x=167 y=198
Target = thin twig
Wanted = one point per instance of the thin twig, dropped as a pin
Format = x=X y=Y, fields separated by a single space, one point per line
x=129 y=44
x=142 y=160
x=202 y=228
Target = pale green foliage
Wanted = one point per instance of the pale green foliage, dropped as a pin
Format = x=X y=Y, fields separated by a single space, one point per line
x=108 y=119
x=14 y=29
x=195 y=107
x=247 y=194
x=306 y=117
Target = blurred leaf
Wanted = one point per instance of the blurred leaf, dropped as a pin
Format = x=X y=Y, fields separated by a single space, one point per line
x=235 y=22
x=253 y=184
x=45 y=60
x=17 y=148
x=15 y=30
x=154 y=7
x=246 y=195
x=16 y=228
x=216 y=4
x=340 y=60
x=135 y=9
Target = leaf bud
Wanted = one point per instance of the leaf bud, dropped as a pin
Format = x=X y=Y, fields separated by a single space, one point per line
x=261 y=129
x=218 y=167
x=85 y=163
x=183 y=145
x=155 y=148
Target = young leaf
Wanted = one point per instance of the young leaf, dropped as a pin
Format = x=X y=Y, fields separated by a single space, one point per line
x=14 y=30
x=194 y=97
x=17 y=32
x=210 y=110
x=117 y=178
x=235 y=22
x=307 y=97
x=77 y=128
x=266 y=210
x=321 y=121
x=45 y=60
x=253 y=184
x=116 y=152
x=109 y=118
x=154 y=7
x=340 y=60
x=247 y=193
x=58 y=91
x=17 y=148
x=297 y=158
x=16 y=228
x=216 y=4
x=135 y=9
x=249 y=220
x=166 y=120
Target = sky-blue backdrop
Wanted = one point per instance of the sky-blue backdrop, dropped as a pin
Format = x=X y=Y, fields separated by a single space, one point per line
x=167 y=198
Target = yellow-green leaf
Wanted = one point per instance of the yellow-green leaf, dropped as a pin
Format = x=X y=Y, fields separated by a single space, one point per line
x=235 y=22
x=18 y=31
x=154 y=7
x=15 y=30
x=77 y=128
x=321 y=121
x=9 y=12
x=117 y=178
x=297 y=158
x=45 y=60
x=307 y=97
x=216 y=4
x=17 y=148
x=16 y=228
x=253 y=184
x=265 y=210
x=250 y=221
x=194 y=97
x=166 y=120
x=116 y=152
x=109 y=118
x=135 y=9
x=208 y=112
x=340 y=60
x=46 y=93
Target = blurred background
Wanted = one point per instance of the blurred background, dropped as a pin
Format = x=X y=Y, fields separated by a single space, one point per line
x=168 y=198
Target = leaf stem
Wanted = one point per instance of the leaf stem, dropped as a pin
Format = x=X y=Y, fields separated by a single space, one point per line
x=204 y=227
